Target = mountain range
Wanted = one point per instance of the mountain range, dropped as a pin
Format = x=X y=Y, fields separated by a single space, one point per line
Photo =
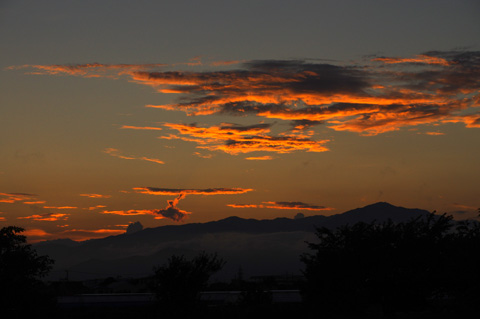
x=258 y=247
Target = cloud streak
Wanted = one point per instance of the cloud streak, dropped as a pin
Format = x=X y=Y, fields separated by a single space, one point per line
x=35 y=234
x=190 y=191
x=116 y=153
x=96 y=195
x=51 y=217
x=283 y=205
x=15 y=197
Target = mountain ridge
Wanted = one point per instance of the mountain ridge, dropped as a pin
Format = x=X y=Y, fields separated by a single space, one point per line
x=258 y=246
x=380 y=211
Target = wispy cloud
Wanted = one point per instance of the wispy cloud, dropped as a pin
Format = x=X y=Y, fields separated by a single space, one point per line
x=245 y=206
x=60 y=207
x=147 y=128
x=259 y=158
x=466 y=207
x=35 y=202
x=96 y=195
x=89 y=69
x=96 y=207
x=51 y=217
x=116 y=153
x=203 y=155
x=419 y=59
x=435 y=133
x=15 y=197
x=36 y=234
x=295 y=205
x=131 y=212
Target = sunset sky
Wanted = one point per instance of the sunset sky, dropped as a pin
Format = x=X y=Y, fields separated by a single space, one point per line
x=171 y=112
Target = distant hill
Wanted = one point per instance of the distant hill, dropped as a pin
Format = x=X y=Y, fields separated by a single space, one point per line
x=259 y=247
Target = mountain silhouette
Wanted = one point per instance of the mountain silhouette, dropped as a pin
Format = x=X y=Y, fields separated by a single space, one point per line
x=259 y=247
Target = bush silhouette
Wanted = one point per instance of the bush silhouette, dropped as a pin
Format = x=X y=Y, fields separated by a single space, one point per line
x=394 y=267
x=20 y=272
x=178 y=283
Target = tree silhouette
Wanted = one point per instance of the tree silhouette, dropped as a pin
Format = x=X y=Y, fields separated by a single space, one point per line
x=393 y=267
x=178 y=283
x=20 y=272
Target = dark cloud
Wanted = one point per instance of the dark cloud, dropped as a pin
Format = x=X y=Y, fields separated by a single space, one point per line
x=133 y=228
x=282 y=205
x=171 y=211
x=299 y=216
x=313 y=77
x=294 y=205
x=244 y=128
x=22 y=194
x=190 y=191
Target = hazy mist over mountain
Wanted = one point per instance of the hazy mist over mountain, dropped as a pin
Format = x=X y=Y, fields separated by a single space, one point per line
x=258 y=247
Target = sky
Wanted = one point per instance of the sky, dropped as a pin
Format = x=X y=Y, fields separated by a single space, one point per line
x=174 y=112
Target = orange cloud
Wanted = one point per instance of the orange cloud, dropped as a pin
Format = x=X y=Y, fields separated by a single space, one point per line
x=116 y=153
x=141 y=128
x=203 y=155
x=471 y=120
x=15 y=197
x=96 y=195
x=96 y=207
x=47 y=217
x=259 y=158
x=35 y=233
x=154 y=160
x=60 y=207
x=244 y=206
x=422 y=59
x=235 y=139
x=35 y=202
x=131 y=212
